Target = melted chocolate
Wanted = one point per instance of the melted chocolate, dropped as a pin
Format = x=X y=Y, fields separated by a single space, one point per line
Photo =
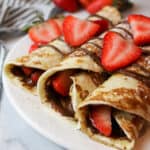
x=59 y=104
x=27 y=81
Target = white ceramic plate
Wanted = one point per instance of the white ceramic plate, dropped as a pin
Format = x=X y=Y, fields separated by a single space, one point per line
x=50 y=126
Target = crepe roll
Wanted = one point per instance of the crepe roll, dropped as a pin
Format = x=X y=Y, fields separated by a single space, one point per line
x=116 y=111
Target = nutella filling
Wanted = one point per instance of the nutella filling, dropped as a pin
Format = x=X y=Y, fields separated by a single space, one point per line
x=27 y=80
x=63 y=104
x=59 y=103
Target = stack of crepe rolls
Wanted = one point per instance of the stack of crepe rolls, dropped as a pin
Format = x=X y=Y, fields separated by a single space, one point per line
x=126 y=95
x=84 y=70
x=49 y=55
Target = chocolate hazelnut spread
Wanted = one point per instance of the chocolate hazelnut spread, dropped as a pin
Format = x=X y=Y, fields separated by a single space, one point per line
x=59 y=103
x=26 y=80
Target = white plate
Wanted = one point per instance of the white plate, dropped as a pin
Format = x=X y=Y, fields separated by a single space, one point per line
x=56 y=129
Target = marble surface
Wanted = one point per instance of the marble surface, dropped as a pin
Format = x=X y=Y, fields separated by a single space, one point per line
x=15 y=134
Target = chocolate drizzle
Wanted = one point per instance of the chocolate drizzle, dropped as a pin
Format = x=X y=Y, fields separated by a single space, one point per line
x=139 y=70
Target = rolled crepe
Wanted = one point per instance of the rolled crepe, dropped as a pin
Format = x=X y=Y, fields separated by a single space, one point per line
x=50 y=55
x=84 y=68
x=40 y=60
x=128 y=96
x=129 y=100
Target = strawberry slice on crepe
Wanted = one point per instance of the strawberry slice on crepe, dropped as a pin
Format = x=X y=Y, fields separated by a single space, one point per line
x=93 y=6
x=104 y=25
x=96 y=5
x=140 y=26
x=100 y=117
x=68 y=5
x=118 y=52
x=85 y=3
x=77 y=31
x=45 y=32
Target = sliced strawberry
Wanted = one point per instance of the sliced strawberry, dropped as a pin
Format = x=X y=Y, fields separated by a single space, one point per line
x=104 y=25
x=118 y=52
x=45 y=32
x=68 y=5
x=61 y=82
x=35 y=46
x=85 y=3
x=100 y=117
x=60 y=21
x=35 y=76
x=77 y=31
x=96 y=5
x=27 y=71
x=140 y=26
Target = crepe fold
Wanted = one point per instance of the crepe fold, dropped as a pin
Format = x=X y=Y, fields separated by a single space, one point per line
x=42 y=59
x=85 y=71
x=50 y=55
x=129 y=99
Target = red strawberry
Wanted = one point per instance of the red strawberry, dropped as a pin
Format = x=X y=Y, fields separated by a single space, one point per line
x=44 y=32
x=77 y=31
x=35 y=76
x=140 y=26
x=96 y=5
x=33 y=47
x=68 y=5
x=61 y=82
x=85 y=3
x=118 y=52
x=59 y=22
x=27 y=71
x=100 y=117
x=104 y=25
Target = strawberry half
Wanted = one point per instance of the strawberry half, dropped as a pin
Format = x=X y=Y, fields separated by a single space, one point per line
x=35 y=46
x=62 y=82
x=35 y=76
x=118 y=52
x=85 y=3
x=100 y=117
x=45 y=32
x=59 y=22
x=68 y=5
x=104 y=25
x=77 y=31
x=27 y=71
x=96 y=5
x=140 y=26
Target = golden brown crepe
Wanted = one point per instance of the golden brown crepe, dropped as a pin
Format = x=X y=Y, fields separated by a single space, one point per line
x=82 y=64
x=42 y=59
x=129 y=99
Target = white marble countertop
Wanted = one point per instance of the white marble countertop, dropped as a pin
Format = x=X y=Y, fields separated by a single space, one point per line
x=15 y=133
